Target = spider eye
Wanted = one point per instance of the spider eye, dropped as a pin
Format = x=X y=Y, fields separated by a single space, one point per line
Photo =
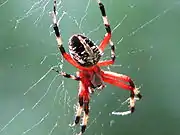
x=83 y=50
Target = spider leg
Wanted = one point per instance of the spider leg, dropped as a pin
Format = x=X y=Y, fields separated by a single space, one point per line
x=118 y=83
x=84 y=93
x=59 y=41
x=83 y=105
x=86 y=115
x=107 y=38
x=64 y=74
x=105 y=63
x=78 y=112
x=116 y=79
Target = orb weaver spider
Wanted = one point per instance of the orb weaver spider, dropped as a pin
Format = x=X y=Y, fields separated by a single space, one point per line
x=85 y=56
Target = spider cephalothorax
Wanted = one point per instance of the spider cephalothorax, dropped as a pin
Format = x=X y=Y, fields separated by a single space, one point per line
x=83 y=50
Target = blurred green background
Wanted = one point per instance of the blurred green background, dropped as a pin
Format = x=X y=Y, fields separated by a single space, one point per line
x=147 y=48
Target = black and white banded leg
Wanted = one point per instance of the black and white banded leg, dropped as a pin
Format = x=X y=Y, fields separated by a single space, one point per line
x=107 y=38
x=64 y=74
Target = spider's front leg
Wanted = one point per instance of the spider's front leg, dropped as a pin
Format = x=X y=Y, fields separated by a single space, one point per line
x=59 y=41
x=107 y=38
x=120 y=80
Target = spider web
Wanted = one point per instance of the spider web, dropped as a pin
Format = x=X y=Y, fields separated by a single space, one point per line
x=46 y=102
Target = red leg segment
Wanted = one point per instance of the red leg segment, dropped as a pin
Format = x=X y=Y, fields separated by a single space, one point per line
x=105 y=63
x=105 y=42
x=116 y=79
x=74 y=63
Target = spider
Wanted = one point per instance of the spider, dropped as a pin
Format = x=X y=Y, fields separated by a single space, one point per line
x=85 y=56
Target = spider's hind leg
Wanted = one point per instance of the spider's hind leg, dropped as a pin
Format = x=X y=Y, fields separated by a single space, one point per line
x=121 y=81
x=78 y=112
x=134 y=95
x=85 y=117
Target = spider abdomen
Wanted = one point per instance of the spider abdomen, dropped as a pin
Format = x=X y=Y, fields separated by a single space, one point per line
x=83 y=50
